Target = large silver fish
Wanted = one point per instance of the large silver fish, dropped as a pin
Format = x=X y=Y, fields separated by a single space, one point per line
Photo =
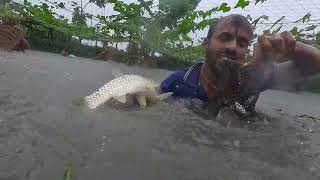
x=124 y=88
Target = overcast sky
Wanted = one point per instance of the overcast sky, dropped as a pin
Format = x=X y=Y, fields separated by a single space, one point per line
x=292 y=9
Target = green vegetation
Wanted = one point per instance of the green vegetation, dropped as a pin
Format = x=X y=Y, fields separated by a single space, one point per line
x=69 y=172
x=162 y=31
x=78 y=102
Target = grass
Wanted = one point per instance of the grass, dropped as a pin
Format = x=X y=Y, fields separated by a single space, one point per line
x=78 y=102
x=69 y=172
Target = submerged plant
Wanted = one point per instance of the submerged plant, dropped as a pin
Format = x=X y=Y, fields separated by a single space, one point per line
x=69 y=172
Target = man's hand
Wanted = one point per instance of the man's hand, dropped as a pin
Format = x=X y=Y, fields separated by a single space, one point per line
x=274 y=48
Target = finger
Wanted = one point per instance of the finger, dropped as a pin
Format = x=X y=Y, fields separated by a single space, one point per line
x=289 y=40
x=277 y=42
x=259 y=55
x=264 y=42
x=266 y=50
x=257 y=52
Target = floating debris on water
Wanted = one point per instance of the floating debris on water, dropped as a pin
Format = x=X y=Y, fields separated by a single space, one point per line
x=3 y=59
x=315 y=119
x=236 y=143
x=312 y=169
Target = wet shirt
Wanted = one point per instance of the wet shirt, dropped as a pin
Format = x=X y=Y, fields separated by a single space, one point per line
x=185 y=83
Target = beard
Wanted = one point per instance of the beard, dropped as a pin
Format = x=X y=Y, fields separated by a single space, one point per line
x=244 y=82
x=228 y=70
x=225 y=68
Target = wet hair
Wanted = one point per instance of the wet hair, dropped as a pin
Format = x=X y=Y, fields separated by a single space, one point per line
x=237 y=21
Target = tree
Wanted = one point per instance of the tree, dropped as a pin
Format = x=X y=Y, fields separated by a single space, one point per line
x=79 y=19
x=4 y=2
x=171 y=11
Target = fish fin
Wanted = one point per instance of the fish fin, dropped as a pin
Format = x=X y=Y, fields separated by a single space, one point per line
x=164 y=96
x=117 y=72
x=121 y=99
x=152 y=89
x=150 y=85
x=130 y=99
x=141 y=100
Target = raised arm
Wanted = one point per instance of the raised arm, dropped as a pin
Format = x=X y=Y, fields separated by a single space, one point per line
x=304 y=60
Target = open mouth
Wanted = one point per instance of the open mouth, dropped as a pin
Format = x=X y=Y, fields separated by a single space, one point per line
x=231 y=61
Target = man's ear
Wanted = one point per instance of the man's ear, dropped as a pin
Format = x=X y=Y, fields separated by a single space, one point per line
x=205 y=45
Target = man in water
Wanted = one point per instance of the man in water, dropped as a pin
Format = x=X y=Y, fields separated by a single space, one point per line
x=223 y=77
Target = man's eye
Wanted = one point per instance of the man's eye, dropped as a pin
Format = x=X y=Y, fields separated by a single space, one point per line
x=225 y=37
x=243 y=43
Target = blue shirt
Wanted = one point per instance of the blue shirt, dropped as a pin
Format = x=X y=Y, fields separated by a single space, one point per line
x=185 y=83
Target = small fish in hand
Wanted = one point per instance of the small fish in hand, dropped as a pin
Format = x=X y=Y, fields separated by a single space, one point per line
x=124 y=88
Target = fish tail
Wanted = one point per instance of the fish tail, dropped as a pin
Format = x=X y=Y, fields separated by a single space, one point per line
x=96 y=99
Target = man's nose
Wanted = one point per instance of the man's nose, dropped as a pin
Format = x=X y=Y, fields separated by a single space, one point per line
x=231 y=47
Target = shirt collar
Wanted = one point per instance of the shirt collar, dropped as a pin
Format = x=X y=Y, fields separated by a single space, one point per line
x=192 y=75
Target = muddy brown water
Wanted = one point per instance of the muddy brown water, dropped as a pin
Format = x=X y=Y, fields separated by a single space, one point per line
x=43 y=127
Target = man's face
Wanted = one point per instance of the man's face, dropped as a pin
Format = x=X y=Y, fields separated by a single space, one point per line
x=227 y=41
